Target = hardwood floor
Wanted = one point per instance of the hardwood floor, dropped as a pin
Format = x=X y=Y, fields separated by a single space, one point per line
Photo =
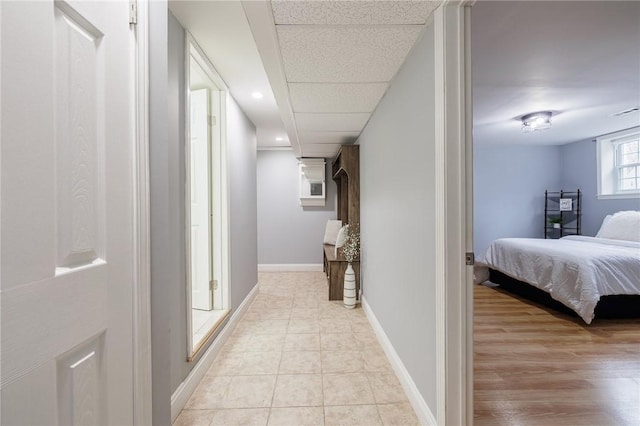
x=534 y=366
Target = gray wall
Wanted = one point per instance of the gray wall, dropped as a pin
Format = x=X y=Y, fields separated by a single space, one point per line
x=398 y=215
x=288 y=233
x=175 y=252
x=241 y=156
x=509 y=184
x=164 y=266
x=579 y=171
x=168 y=219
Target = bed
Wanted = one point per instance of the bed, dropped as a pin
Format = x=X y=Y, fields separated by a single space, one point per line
x=577 y=271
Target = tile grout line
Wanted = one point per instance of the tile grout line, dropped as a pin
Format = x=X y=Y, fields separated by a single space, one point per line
x=275 y=386
x=322 y=315
x=324 y=410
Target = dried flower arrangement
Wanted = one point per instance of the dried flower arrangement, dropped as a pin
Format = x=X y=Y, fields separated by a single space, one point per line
x=351 y=247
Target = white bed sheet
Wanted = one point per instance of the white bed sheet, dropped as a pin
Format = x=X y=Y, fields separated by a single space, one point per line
x=574 y=270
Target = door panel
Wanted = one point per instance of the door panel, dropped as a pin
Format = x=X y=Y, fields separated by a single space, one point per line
x=200 y=200
x=80 y=384
x=67 y=214
x=79 y=93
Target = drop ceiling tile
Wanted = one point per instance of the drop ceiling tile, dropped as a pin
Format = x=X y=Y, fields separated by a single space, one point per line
x=336 y=97
x=327 y=137
x=353 y=122
x=322 y=150
x=344 y=54
x=352 y=12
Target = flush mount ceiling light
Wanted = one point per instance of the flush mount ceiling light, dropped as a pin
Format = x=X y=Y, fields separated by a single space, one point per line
x=279 y=139
x=257 y=95
x=536 y=121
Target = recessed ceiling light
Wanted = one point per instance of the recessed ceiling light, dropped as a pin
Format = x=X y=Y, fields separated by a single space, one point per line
x=279 y=139
x=257 y=95
x=536 y=121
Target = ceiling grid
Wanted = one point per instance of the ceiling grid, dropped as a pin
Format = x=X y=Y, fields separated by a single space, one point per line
x=338 y=58
x=323 y=66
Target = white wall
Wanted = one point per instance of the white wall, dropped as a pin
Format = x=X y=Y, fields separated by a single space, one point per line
x=287 y=233
x=398 y=216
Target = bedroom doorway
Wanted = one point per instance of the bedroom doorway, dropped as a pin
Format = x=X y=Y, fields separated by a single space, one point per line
x=531 y=362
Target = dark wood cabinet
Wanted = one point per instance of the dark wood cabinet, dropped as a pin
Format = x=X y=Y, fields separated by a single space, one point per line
x=345 y=171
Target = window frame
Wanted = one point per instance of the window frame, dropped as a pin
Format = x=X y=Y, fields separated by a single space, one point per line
x=620 y=166
x=608 y=164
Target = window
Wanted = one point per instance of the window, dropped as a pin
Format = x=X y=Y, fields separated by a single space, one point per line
x=628 y=166
x=619 y=164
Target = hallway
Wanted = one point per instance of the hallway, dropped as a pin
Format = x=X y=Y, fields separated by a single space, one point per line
x=296 y=358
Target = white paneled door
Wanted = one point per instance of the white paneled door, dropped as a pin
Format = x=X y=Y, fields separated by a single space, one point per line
x=201 y=260
x=67 y=246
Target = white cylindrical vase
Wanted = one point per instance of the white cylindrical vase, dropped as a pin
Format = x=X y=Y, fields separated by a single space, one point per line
x=349 y=291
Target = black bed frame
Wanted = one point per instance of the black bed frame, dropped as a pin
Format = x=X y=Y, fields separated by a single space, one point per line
x=616 y=306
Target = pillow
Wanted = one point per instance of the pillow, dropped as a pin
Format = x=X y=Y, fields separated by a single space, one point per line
x=622 y=226
x=342 y=236
x=604 y=222
x=331 y=231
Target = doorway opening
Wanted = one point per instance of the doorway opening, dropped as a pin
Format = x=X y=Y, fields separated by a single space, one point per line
x=536 y=360
x=206 y=219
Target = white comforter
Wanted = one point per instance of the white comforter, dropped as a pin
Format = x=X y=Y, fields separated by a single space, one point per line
x=574 y=270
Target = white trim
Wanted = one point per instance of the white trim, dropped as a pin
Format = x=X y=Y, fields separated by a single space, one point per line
x=619 y=196
x=466 y=301
x=191 y=382
x=418 y=403
x=142 y=376
x=204 y=62
x=294 y=267
x=187 y=189
x=454 y=327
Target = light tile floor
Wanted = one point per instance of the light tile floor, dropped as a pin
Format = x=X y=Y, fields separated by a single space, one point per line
x=297 y=359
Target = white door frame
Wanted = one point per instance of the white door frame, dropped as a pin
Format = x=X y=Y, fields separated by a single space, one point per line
x=453 y=174
x=142 y=390
x=220 y=195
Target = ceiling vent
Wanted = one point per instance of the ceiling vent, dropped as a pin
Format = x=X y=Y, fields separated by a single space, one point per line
x=625 y=112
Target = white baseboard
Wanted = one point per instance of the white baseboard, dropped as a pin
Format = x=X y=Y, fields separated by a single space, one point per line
x=186 y=388
x=418 y=403
x=294 y=267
